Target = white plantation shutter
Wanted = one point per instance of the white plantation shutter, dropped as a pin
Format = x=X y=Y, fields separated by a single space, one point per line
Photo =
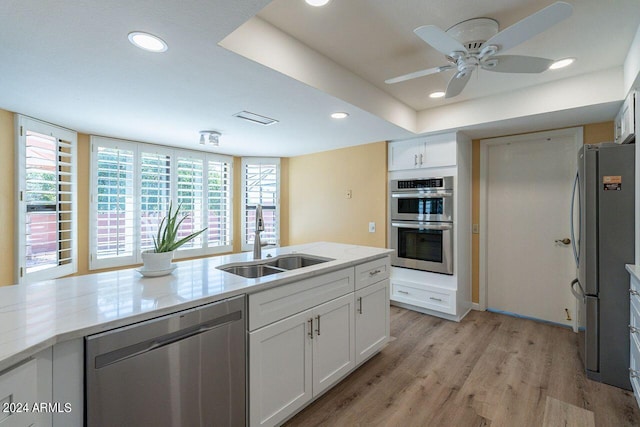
x=155 y=193
x=115 y=232
x=47 y=219
x=190 y=188
x=133 y=185
x=219 y=204
x=261 y=184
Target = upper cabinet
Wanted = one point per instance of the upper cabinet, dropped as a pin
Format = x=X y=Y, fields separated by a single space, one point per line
x=625 y=120
x=429 y=152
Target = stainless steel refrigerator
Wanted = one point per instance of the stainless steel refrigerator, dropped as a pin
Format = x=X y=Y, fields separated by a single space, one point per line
x=605 y=243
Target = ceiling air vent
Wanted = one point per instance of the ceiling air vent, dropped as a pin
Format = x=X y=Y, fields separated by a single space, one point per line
x=255 y=118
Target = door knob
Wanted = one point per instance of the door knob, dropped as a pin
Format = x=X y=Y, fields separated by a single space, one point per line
x=564 y=241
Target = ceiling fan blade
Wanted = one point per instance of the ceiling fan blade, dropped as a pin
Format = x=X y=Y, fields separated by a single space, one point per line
x=417 y=74
x=456 y=84
x=531 y=26
x=439 y=40
x=517 y=64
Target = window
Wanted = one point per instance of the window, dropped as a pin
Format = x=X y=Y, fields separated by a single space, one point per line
x=261 y=185
x=132 y=187
x=47 y=200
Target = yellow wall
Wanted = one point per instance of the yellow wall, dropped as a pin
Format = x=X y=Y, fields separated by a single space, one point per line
x=592 y=134
x=7 y=202
x=318 y=207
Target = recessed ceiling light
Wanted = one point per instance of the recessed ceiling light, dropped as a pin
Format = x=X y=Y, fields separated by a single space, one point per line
x=438 y=94
x=317 y=3
x=339 y=115
x=147 y=41
x=561 y=63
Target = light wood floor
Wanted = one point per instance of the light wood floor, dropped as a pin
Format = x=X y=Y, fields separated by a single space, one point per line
x=488 y=370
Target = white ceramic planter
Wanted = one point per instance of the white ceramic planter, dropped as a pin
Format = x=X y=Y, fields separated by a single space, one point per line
x=157 y=261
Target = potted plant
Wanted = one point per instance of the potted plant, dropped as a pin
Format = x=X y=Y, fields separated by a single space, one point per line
x=166 y=242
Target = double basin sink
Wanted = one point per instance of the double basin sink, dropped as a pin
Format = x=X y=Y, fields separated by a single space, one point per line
x=265 y=267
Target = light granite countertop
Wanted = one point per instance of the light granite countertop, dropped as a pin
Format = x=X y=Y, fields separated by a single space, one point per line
x=34 y=317
x=634 y=270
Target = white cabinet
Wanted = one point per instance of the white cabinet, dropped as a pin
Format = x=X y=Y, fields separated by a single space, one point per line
x=333 y=342
x=280 y=372
x=24 y=389
x=306 y=336
x=634 y=337
x=372 y=319
x=295 y=359
x=430 y=152
x=624 y=128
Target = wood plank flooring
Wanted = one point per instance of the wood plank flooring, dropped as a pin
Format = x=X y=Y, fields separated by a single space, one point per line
x=488 y=370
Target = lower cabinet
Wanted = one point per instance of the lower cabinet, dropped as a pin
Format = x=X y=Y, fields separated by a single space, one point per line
x=634 y=337
x=372 y=319
x=25 y=392
x=295 y=359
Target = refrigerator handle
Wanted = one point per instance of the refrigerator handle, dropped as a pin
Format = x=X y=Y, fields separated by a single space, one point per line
x=578 y=294
x=575 y=243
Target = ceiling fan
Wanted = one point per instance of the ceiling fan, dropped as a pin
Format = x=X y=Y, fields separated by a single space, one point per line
x=476 y=43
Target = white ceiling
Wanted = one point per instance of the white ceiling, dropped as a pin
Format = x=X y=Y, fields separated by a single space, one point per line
x=70 y=63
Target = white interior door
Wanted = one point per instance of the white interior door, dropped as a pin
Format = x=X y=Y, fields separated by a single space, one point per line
x=528 y=196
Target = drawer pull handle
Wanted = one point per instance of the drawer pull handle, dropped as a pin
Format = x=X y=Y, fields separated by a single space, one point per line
x=436 y=299
x=310 y=321
x=360 y=305
x=634 y=292
x=403 y=292
x=318 y=328
x=633 y=329
x=634 y=373
x=373 y=273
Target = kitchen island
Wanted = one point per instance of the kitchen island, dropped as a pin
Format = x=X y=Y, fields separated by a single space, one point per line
x=44 y=324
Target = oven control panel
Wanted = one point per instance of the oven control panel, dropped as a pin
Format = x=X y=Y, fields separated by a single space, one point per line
x=423 y=183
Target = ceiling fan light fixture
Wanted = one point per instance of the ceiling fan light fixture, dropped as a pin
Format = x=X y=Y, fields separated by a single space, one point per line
x=437 y=94
x=561 y=63
x=317 y=3
x=147 y=41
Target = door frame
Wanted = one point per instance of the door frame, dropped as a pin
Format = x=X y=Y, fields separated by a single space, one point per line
x=575 y=132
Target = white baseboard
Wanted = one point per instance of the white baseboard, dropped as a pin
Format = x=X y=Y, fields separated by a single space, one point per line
x=476 y=306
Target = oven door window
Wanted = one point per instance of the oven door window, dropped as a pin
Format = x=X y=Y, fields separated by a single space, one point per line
x=422 y=245
x=418 y=206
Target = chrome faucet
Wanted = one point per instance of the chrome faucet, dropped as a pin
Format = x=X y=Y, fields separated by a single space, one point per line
x=257 y=244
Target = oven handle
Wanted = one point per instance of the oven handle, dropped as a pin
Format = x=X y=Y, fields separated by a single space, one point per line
x=423 y=226
x=437 y=195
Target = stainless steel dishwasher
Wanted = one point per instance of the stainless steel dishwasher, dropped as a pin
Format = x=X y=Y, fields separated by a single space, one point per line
x=183 y=369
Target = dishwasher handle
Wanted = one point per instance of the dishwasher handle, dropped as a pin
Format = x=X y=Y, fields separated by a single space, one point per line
x=120 y=354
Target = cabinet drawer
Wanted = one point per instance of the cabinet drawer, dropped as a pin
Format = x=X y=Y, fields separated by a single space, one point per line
x=430 y=297
x=274 y=304
x=19 y=386
x=372 y=272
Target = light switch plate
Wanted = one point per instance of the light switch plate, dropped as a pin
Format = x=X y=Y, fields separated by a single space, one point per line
x=372 y=227
x=349 y=194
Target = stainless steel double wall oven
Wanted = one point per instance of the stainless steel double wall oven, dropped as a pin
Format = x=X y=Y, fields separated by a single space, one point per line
x=422 y=223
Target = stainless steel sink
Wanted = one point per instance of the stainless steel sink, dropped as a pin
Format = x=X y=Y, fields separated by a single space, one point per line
x=265 y=267
x=292 y=262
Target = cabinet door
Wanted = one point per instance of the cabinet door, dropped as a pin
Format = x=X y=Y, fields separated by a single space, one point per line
x=280 y=372
x=440 y=151
x=372 y=319
x=405 y=155
x=333 y=342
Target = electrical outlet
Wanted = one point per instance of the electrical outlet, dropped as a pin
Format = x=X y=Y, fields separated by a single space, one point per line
x=372 y=227
x=349 y=194
x=476 y=229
